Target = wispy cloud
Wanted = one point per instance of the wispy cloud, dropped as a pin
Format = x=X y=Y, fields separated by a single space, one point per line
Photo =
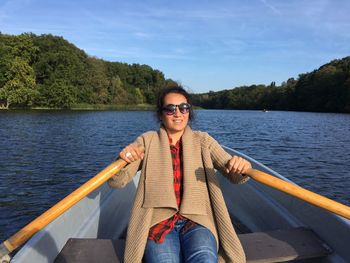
x=138 y=53
x=271 y=7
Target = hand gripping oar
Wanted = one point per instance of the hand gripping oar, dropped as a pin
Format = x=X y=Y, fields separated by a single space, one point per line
x=43 y=220
x=299 y=192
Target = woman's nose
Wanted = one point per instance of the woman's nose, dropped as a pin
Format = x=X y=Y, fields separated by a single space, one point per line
x=177 y=111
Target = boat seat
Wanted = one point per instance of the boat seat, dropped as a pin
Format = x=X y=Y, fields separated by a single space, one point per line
x=90 y=250
x=262 y=247
x=283 y=245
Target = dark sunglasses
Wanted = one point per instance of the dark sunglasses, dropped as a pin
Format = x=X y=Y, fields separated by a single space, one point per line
x=170 y=109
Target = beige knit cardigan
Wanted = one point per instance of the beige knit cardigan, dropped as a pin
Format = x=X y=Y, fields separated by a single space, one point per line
x=202 y=200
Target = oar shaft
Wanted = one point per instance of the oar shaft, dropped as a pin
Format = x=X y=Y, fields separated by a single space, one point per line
x=301 y=193
x=43 y=220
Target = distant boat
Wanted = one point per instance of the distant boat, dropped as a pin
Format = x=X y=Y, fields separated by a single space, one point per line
x=272 y=226
x=265 y=110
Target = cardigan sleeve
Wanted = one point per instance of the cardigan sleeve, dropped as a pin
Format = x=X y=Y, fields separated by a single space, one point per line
x=126 y=174
x=220 y=158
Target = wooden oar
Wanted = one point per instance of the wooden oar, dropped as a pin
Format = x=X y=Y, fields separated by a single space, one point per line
x=299 y=192
x=43 y=220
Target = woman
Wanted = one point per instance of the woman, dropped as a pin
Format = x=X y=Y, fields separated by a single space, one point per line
x=179 y=214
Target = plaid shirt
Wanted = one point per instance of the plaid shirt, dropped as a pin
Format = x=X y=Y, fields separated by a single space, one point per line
x=160 y=230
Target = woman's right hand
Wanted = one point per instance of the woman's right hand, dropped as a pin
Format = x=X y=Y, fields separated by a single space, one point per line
x=131 y=153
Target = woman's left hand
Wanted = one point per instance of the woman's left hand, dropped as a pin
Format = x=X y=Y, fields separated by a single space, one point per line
x=237 y=165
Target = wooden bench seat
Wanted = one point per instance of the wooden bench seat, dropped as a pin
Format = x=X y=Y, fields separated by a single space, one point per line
x=262 y=247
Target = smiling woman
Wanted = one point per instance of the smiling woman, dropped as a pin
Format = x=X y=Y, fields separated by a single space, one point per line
x=187 y=221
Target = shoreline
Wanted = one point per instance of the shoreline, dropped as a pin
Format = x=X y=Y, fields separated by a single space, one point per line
x=87 y=107
x=94 y=107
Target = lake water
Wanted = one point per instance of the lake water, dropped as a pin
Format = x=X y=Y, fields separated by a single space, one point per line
x=44 y=155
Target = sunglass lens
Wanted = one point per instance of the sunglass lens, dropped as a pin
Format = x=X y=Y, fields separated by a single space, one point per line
x=184 y=107
x=169 y=109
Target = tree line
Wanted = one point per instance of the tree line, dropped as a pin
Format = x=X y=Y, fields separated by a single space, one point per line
x=48 y=71
x=326 y=89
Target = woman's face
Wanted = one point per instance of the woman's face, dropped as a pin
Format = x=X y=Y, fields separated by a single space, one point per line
x=177 y=122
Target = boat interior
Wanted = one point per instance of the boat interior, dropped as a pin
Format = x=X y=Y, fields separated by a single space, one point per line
x=272 y=227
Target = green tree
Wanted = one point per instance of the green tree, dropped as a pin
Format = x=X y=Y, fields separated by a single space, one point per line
x=98 y=81
x=20 y=87
x=60 y=60
x=118 y=93
x=21 y=46
x=138 y=96
x=60 y=94
x=24 y=47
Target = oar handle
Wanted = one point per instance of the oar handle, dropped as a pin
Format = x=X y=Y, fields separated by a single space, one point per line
x=47 y=217
x=299 y=192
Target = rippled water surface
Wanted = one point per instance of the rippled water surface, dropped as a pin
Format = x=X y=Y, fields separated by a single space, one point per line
x=44 y=155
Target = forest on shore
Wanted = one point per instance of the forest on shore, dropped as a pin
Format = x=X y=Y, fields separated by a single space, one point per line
x=48 y=71
x=326 y=89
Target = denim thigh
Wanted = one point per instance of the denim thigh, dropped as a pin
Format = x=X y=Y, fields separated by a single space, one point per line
x=195 y=244
x=167 y=252
x=198 y=245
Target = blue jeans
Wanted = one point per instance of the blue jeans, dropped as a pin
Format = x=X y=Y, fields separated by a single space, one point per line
x=197 y=244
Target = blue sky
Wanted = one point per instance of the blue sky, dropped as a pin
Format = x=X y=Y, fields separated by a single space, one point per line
x=205 y=45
